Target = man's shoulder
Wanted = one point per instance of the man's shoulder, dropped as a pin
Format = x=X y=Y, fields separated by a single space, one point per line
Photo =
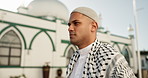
x=106 y=47
x=106 y=52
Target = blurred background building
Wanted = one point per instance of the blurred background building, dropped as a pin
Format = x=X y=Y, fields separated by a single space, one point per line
x=37 y=37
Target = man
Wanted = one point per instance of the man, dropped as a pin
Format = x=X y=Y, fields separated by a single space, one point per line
x=94 y=59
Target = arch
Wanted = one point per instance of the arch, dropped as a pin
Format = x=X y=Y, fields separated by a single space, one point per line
x=50 y=40
x=128 y=49
x=5 y=29
x=24 y=40
x=116 y=44
x=70 y=52
x=34 y=38
x=37 y=35
x=10 y=49
x=125 y=52
x=69 y=47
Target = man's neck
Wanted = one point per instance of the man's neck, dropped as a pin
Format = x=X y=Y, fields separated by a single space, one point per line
x=86 y=44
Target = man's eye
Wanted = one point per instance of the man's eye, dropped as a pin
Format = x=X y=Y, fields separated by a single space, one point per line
x=69 y=24
x=76 y=23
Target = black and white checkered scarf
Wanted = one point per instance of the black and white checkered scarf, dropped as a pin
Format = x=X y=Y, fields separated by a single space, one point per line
x=102 y=62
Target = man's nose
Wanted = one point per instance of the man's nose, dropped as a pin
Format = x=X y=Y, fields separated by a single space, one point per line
x=71 y=28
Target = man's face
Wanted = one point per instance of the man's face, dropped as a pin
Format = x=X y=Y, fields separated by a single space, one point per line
x=79 y=28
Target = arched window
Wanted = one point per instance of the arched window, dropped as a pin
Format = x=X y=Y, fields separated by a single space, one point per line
x=126 y=55
x=117 y=47
x=10 y=49
x=70 y=53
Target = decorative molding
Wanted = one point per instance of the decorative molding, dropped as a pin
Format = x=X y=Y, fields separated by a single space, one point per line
x=120 y=43
x=119 y=36
x=28 y=26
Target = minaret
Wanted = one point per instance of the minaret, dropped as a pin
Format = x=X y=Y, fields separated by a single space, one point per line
x=22 y=9
x=100 y=29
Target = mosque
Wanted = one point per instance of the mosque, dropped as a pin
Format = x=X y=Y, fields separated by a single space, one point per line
x=37 y=36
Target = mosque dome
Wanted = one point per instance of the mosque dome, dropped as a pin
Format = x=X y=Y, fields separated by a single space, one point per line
x=52 y=8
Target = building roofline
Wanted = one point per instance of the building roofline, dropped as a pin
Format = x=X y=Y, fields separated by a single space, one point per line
x=39 y=17
x=119 y=36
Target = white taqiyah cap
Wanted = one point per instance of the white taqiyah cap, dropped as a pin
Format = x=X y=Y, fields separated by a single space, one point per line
x=87 y=12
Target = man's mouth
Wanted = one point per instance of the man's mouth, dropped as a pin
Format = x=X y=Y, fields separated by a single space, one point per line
x=71 y=34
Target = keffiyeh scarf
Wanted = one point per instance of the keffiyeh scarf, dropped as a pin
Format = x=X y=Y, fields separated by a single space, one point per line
x=102 y=62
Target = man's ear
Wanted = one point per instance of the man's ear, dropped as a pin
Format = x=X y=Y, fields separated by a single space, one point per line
x=94 y=26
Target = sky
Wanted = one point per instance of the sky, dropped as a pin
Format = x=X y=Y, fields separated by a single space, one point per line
x=117 y=15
